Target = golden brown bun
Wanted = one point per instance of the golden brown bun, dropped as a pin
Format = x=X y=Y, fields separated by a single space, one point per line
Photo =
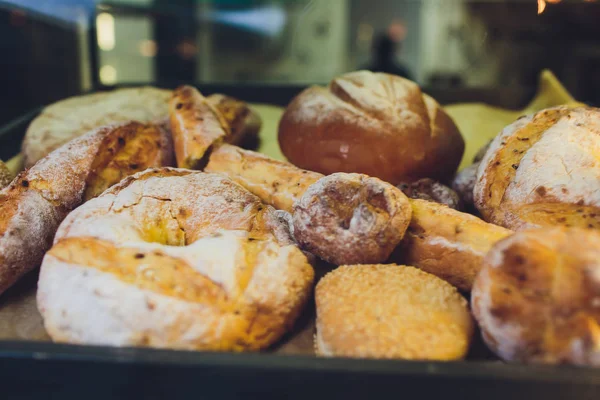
x=351 y=219
x=372 y=123
x=542 y=170
x=156 y=266
x=34 y=204
x=197 y=127
x=244 y=122
x=67 y=119
x=5 y=175
x=537 y=297
x=447 y=243
x=390 y=311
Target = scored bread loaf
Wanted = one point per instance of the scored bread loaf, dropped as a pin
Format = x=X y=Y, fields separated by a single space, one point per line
x=377 y=124
x=543 y=170
x=156 y=266
x=38 y=199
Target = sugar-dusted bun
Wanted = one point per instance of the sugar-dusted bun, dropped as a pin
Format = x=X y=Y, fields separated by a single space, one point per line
x=390 y=311
x=372 y=123
x=351 y=219
x=543 y=170
x=148 y=264
x=537 y=297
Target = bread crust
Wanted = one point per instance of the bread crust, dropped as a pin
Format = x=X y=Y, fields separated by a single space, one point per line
x=277 y=183
x=447 y=243
x=372 y=123
x=157 y=267
x=38 y=199
x=536 y=298
x=390 y=311
x=351 y=219
x=542 y=171
x=244 y=122
x=70 y=118
x=197 y=127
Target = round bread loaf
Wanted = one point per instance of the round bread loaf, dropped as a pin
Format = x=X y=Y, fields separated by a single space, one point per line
x=372 y=123
x=543 y=170
x=537 y=297
x=148 y=264
x=70 y=118
x=390 y=311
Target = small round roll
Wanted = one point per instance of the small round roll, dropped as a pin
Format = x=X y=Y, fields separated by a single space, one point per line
x=351 y=219
x=390 y=311
x=537 y=298
x=376 y=124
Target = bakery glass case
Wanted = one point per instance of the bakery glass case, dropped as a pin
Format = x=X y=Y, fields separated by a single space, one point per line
x=460 y=260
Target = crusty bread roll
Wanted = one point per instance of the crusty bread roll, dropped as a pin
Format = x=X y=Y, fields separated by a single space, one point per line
x=148 y=264
x=390 y=311
x=5 y=175
x=38 y=199
x=72 y=117
x=537 y=297
x=373 y=123
x=543 y=170
x=440 y=240
x=197 y=126
x=447 y=243
x=244 y=122
x=351 y=219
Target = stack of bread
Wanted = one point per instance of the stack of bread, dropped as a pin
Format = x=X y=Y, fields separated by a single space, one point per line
x=218 y=253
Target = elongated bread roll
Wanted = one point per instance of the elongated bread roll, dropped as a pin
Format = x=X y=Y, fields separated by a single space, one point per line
x=38 y=199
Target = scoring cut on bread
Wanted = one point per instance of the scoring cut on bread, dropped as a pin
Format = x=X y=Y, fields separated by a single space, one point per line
x=543 y=170
x=146 y=264
x=390 y=311
x=38 y=199
x=537 y=298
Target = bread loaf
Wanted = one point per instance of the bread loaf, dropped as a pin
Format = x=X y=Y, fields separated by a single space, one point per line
x=542 y=170
x=38 y=199
x=156 y=266
x=377 y=124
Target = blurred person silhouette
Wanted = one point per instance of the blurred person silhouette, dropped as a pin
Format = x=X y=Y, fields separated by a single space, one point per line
x=386 y=46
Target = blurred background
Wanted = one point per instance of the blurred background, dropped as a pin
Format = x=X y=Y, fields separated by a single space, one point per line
x=458 y=50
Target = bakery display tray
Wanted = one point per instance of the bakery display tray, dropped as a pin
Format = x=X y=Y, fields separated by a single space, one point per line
x=33 y=367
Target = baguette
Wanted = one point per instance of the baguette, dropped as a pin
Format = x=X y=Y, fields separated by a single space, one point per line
x=445 y=242
x=38 y=199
